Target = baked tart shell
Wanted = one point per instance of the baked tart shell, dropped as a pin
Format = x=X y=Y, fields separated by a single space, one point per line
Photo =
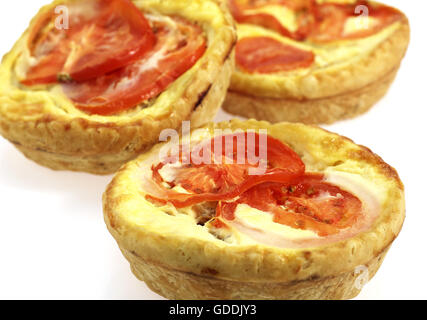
x=49 y=130
x=179 y=285
x=180 y=259
x=329 y=95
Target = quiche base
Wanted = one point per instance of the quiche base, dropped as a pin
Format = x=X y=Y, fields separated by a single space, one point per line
x=315 y=111
x=130 y=140
x=150 y=235
x=326 y=95
x=48 y=129
x=178 y=285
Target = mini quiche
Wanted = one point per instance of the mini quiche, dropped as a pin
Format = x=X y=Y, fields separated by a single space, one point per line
x=252 y=210
x=313 y=61
x=92 y=83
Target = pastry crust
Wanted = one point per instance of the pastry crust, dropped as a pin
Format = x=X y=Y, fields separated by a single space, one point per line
x=178 y=285
x=323 y=110
x=180 y=259
x=336 y=91
x=48 y=129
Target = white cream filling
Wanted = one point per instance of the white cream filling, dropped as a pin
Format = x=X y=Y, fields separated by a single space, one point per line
x=169 y=171
x=254 y=226
x=263 y=221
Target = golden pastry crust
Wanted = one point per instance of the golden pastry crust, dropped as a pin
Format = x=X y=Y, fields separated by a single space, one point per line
x=158 y=242
x=48 y=129
x=336 y=91
x=178 y=285
x=323 y=110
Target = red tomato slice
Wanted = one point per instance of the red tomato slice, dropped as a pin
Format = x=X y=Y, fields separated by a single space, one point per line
x=174 y=53
x=303 y=9
x=307 y=203
x=215 y=182
x=103 y=35
x=266 y=55
x=330 y=19
x=317 y=22
x=298 y=200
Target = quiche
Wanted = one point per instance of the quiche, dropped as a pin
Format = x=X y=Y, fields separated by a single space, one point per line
x=253 y=210
x=91 y=84
x=313 y=61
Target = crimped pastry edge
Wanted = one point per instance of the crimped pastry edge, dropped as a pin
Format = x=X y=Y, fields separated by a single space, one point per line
x=101 y=144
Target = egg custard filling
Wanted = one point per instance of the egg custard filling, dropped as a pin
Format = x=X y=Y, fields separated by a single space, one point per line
x=287 y=35
x=111 y=57
x=256 y=189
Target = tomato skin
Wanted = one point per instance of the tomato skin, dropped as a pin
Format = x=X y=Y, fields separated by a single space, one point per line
x=221 y=183
x=48 y=67
x=182 y=200
x=299 y=204
x=330 y=19
x=317 y=22
x=226 y=210
x=267 y=55
x=141 y=40
x=295 y=198
x=108 y=48
x=218 y=223
x=97 y=96
x=112 y=36
x=302 y=7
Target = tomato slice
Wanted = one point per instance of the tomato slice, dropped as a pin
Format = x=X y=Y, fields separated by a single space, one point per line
x=318 y=22
x=294 y=198
x=243 y=12
x=174 y=53
x=230 y=177
x=267 y=55
x=330 y=20
x=103 y=35
x=308 y=203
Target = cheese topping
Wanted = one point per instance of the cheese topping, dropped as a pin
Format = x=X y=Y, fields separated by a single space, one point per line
x=326 y=55
x=357 y=24
x=284 y=15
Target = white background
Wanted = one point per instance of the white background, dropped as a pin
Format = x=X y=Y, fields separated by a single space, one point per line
x=53 y=241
